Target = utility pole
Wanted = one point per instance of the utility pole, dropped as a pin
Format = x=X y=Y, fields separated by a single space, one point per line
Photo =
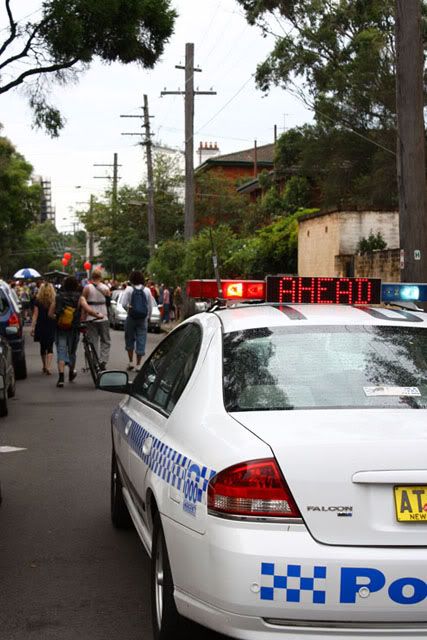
x=411 y=172
x=147 y=142
x=189 y=94
x=115 y=179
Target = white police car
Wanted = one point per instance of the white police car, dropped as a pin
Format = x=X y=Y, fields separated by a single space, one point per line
x=273 y=459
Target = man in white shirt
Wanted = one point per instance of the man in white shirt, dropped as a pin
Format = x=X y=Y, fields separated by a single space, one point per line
x=136 y=327
x=98 y=331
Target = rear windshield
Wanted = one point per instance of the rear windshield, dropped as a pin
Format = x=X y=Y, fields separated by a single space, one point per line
x=325 y=368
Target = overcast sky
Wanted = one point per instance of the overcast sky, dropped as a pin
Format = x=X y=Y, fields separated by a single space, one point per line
x=226 y=48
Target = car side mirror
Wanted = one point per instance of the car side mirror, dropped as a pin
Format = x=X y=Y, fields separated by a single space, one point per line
x=114 y=381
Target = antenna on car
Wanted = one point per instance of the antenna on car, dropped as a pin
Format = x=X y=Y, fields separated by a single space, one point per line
x=215 y=265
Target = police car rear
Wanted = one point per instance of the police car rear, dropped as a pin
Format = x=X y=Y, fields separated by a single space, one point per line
x=283 y=491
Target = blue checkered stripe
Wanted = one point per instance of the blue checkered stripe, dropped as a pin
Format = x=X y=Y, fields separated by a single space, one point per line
x=173 y=467
x=293 y=583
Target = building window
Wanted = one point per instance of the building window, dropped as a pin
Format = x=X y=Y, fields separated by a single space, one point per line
x=308 y=233
x=326 y=229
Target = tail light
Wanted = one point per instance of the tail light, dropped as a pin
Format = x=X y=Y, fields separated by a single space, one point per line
x=14 y=320
x=254 y=488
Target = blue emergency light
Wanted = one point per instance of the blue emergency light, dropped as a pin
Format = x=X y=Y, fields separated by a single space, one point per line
x=403 y=292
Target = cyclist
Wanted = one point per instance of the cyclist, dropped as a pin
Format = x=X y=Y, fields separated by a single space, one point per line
x=66 y=309
x=98 y=295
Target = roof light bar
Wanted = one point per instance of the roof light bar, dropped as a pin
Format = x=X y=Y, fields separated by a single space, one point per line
x=310 y=290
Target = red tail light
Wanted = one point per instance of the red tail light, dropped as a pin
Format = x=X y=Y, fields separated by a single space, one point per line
x=254 y=488
x=13 y=320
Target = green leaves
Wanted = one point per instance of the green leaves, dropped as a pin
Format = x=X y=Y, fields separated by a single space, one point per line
x=342 y=51
x=70 y=34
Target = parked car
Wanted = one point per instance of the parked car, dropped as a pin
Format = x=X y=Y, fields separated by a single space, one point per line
x=117 y=314
x=7 y=375
x=155 y=318
x=11 y=327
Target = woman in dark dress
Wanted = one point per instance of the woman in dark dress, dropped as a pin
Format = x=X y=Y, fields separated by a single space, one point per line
x=42 y=327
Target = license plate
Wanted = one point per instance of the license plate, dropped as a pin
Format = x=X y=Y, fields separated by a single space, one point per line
x=411 y=503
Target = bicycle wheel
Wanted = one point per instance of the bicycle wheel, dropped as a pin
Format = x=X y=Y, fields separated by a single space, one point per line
x=92 y=361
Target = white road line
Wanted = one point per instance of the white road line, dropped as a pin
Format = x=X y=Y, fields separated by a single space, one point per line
x=7 y=449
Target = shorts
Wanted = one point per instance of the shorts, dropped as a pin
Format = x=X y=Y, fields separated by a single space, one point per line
x=136 y=333
x=66 y=346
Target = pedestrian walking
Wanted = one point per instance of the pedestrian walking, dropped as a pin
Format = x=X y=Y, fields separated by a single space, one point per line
x=166 y=305
x=136 y=299
x=178 y=301
x=98 y=296
x=42 y=326
x=66 y=309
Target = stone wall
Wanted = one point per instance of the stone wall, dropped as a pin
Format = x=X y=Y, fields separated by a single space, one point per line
x=379 y=264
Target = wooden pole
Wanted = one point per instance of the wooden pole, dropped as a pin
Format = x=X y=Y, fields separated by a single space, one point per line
x=411 y=173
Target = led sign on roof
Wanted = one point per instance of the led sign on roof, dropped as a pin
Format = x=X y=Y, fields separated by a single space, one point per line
x=295 y=290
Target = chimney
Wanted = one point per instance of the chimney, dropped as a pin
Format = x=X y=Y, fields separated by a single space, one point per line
x=207 y=150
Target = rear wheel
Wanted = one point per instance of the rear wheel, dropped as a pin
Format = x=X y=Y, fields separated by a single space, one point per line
x=119 y=512
x=167 y=623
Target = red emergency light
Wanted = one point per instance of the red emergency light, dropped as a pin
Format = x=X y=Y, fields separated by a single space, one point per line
x=231 y=289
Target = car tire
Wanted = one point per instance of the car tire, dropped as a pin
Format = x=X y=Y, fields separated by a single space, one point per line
x=119 y=512
x=167 y=623
x=12 y=388
x=3 y=405
x=21 y=369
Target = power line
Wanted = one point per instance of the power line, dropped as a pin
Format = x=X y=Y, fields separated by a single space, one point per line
x=227 y=103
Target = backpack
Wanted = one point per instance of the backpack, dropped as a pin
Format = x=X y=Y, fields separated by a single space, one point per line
x=67 y=313
x=138 y=307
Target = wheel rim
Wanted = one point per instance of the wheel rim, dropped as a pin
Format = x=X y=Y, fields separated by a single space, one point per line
x=159 y=584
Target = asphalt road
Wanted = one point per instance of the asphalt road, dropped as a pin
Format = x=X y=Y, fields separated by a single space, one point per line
x=65 y=572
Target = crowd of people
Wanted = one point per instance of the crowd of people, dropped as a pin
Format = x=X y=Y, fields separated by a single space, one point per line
x=56 y=312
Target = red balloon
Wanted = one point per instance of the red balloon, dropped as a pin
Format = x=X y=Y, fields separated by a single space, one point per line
x=87 y=265
x=64 y=261
x=67 y=255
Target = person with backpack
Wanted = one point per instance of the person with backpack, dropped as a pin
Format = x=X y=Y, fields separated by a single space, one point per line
x=98 y=296
x=137 y=301
x=66 y=309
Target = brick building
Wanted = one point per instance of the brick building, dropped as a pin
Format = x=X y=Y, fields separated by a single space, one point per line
x=239 y=164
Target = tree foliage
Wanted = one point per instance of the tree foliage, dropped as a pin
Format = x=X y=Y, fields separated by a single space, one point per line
x=347 y=170
x=374 y=242
x=19 y=203
x=342 y=53
x=67 y=35
x=122 y=232
x=218 y=202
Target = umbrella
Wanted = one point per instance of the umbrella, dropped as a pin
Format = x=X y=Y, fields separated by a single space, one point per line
x=27 y=273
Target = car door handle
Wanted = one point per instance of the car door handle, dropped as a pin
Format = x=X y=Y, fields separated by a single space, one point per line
x=146 y=447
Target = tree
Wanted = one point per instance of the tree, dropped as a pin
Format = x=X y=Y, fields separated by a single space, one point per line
x=218 y=202
x=68 y=34
x=19 y=204
x=343 y=53
x=123 y=237
x=167 y=264
x=347 y=170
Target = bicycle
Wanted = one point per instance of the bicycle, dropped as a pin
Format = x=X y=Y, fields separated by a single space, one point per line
x=91 y=357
